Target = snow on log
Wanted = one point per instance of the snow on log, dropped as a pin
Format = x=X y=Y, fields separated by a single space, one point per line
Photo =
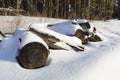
x=33 y=51
x=79 y=28
x=67 y=28
x=52 y=37
x=70 y=28
x=43 y=25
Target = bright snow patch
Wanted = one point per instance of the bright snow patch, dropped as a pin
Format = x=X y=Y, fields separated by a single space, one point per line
x=67 y=27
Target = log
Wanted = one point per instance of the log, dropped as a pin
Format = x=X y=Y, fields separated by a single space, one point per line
x=67 y=27
x=94 y=38
x=80 y=34
x=51 y=37
x=33 y=51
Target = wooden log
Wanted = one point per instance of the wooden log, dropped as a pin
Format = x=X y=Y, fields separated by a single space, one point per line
x=33 y=51
x=80 y=34
x=67 y=27
x=94 y=38
x=51 y=37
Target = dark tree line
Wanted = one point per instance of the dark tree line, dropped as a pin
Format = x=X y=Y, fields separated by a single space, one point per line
x=88 y=9
x=117 y=10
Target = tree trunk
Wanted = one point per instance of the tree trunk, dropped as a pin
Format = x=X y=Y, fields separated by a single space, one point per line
x=57 y=8
x=88 y=11
x=18 y=6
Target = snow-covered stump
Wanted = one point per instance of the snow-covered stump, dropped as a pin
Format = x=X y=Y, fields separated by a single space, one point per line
x=33 y=51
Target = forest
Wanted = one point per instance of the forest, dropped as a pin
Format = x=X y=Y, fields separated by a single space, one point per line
x=66 y=9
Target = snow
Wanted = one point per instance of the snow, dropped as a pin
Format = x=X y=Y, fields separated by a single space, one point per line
x=28 y=37
x=99 y=61
x=43 y=25
x=82 y=20
x=107 y=68
x=67 y=27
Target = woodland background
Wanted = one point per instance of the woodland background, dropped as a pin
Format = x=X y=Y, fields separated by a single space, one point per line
x=66 y=9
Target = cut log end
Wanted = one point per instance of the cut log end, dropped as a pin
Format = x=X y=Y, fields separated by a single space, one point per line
x=80 y=34
x=94 y=38
x=33 y=55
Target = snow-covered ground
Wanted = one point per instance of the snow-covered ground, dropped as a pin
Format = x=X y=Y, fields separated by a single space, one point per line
x=99 y=61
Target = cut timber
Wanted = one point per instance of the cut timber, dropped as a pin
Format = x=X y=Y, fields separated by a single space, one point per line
x=50 y=40
x=51 y=37
x=33 y=55
x=80 y=34
x=94 y=38
x=33 y=51
x=67 y=27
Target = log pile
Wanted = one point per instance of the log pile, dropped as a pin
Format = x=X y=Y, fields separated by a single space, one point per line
x=36 y=42
x=82 y=29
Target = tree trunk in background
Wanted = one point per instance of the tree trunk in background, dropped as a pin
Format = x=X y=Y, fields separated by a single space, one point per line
x=57 y=11
x=65 y=9
x=75 y=10
x=80 y=8
x=88 y=11
x=18 y=6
